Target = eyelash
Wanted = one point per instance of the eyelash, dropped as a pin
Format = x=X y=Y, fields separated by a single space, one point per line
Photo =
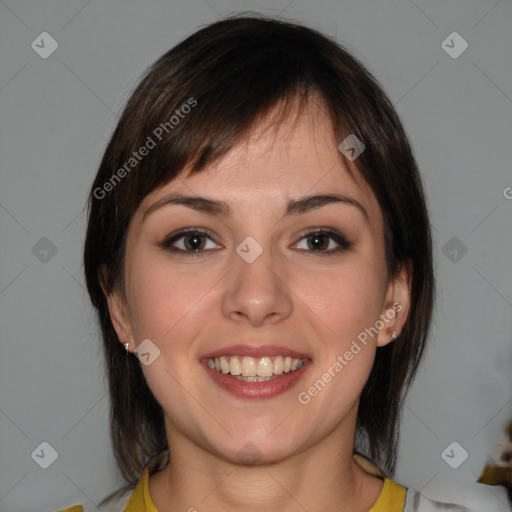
x=343 y=243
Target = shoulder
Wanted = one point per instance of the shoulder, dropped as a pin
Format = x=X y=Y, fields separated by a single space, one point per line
x=480 y=499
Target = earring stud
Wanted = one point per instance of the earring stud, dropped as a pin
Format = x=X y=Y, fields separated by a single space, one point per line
x=393 y=334
x=126 y=346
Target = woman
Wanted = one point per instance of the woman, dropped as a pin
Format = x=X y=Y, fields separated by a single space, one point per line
x=259 y=253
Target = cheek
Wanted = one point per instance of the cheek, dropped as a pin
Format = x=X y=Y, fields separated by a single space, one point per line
x=165 y=304
x=348 y=300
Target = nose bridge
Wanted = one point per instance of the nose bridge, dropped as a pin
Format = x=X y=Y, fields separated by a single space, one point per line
x=256 y=289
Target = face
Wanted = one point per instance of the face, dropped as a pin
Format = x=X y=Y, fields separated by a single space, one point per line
x=288 y=292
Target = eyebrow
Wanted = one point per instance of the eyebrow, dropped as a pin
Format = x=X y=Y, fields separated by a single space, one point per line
x=219 y=207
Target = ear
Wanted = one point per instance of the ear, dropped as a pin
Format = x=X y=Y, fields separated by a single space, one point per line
x=396 y=305
x=118 y=310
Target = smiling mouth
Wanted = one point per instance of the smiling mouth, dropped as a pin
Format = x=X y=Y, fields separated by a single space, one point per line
x=255 y=369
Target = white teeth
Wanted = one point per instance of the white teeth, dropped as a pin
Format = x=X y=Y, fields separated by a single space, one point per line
x=255 y=370
x=224 y=366
x=234 y=366
x=248 y=367
x=265 y=367
x=278 y=365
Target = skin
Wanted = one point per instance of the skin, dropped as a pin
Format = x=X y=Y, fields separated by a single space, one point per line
x=290 y=295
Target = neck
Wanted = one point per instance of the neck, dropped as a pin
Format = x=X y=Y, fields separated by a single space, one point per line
x=323 y=477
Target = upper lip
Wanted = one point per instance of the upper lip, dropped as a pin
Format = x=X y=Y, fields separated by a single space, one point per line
x=256 y=351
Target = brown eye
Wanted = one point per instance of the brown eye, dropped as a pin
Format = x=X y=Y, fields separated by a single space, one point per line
x=192 y=241
x=318 y=242
x=324 y=242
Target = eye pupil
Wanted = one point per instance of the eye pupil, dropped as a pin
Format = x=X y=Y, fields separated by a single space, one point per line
x=319 y=245
x=197 y=242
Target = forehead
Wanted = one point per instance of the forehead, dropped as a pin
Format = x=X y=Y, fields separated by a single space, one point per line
x=277 y=162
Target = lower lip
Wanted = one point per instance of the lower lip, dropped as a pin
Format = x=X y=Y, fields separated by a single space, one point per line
x=265 y=389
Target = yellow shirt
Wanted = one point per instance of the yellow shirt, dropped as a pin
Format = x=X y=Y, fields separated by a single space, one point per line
x=391 y=498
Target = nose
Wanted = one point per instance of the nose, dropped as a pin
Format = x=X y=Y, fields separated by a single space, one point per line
x=256 y=291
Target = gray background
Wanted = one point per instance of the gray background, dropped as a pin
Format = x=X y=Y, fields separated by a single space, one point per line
x=56 y=116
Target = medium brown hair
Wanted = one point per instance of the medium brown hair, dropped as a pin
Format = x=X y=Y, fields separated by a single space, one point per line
x=237 y=71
